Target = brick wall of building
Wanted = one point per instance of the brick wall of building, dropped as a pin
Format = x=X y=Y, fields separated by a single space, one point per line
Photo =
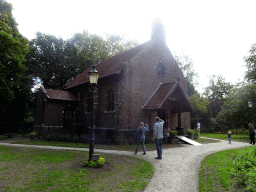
x=141 y=80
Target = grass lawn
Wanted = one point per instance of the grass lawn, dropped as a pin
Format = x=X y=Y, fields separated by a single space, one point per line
x=149 y=146
x=205 y=141
x=240 y=138
x=25 y=169
x=214 y=174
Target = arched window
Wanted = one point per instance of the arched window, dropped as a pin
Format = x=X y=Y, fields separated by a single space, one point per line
x=161 y=70
x=110 y=98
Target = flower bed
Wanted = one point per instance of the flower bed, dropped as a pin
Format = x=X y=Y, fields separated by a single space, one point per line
x=95 y=164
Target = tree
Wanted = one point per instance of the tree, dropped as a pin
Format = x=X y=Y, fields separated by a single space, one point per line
x=235 y=111
x=49 y=59
x=250 y=60
x=118 y=44
x=218 y=89
x=13 y=82
x=56 y=61
x=201 y=110
x=186 y=65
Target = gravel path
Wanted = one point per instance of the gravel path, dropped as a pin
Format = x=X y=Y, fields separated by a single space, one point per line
x=177 y=171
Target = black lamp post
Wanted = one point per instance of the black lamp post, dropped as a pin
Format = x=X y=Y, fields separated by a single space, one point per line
x=93 y=76
x=250 y=104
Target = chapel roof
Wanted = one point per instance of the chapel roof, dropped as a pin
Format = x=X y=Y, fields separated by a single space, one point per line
x=113 y=65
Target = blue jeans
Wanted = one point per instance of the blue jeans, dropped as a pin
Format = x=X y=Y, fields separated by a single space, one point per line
x=142 y=141
x=159 y=143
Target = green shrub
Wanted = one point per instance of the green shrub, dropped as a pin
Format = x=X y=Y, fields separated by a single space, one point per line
x=244 y=169
x=240 y=131
x=95 y=164
x=191 y=131
x=172 y=132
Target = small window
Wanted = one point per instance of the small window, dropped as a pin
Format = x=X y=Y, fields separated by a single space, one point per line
x=110 y=98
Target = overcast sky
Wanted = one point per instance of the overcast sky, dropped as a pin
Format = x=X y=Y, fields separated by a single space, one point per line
x=215 y=34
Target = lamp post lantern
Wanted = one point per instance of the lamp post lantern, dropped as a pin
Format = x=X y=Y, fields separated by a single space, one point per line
x=250 y=104
x=93 y=76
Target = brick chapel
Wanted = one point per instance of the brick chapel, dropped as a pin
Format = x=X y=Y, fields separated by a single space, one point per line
x=134 y=86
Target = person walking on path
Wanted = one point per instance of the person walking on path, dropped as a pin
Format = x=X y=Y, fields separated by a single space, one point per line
x=229 y=137
x=158 y=136
x=252 y=133
x=141 y=137
x=198 y=126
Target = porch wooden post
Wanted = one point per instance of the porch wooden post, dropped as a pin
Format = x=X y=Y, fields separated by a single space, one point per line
x=179 y=119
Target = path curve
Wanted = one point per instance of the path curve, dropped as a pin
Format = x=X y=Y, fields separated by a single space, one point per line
x=177 y=171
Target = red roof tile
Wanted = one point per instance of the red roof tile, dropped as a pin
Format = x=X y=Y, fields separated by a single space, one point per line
x=160 y=95
x=60 y=95
x=107 y=67
x=163 y=92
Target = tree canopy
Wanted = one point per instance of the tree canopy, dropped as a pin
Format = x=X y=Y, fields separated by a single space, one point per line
x=186 y=65
x=13 y=49
x=55 y=61
x=218 y=88
x=250 y=60
x=234 y=110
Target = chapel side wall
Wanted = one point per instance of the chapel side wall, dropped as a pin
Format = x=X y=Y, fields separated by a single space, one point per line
x=124 y=88
x=53 y=115
x=108 y=119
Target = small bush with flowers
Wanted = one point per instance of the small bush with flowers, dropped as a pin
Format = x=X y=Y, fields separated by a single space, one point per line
x=95 y=164
x=32 y=134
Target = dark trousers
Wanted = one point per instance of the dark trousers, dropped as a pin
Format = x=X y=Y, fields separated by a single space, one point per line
x=142 y=141
x=252 y=138
x=159 y=143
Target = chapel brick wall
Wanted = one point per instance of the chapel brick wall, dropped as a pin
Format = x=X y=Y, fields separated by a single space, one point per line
x=53 y=113
x=141 y=80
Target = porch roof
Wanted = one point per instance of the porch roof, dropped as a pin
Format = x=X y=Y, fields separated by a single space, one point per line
x=59 y=95
x=170 y=95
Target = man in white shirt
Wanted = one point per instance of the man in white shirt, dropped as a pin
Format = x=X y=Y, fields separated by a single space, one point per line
x=198 y=126
x=158 y=136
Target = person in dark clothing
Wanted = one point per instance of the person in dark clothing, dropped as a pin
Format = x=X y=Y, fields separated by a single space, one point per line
x=252 y=133
x=229 y=137
x=141 y=137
